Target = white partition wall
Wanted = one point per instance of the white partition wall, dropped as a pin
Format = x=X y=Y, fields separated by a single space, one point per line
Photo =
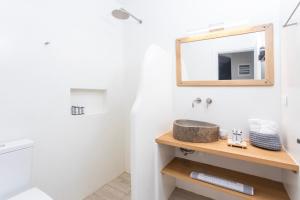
x=151 y=115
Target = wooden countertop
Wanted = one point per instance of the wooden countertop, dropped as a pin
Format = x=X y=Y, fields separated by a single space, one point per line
x=280 y=159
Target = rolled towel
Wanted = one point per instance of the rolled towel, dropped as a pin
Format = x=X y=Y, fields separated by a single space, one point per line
x=229 y=184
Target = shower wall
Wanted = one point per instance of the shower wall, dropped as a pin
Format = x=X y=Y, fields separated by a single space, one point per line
x=46 y=48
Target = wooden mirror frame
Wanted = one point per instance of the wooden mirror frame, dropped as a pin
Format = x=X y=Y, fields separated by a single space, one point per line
x=269 y=57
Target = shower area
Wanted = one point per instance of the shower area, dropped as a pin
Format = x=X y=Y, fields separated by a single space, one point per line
x=146 y=178
x=117 y=187
x=62 y=85
x=150 y=85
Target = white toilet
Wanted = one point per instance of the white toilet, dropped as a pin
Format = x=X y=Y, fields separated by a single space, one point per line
x=15 y=172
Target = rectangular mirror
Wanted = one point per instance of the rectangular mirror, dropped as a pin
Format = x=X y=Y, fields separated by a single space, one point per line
x=236 y=57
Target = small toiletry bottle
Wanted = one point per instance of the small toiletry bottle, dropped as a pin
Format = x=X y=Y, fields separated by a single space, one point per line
x=76 y=110
x=72 y=110
x=233 y=135
x=240 y=136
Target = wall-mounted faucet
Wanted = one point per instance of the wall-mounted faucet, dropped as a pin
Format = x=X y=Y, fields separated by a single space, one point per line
x=208 y=101
x=196 y=101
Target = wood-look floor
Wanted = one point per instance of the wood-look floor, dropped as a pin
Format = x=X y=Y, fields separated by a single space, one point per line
x=120 y=189
x=117 y=189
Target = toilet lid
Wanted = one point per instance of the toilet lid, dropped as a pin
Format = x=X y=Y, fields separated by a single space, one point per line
x=32 y=194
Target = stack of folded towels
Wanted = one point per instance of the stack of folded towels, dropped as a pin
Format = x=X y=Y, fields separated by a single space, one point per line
x=264 y=134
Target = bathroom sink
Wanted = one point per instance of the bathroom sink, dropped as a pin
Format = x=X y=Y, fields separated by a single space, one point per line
x=195 y=131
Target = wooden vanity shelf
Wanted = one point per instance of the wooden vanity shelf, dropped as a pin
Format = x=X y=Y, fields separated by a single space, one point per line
x=279 y=159
x=264 y=189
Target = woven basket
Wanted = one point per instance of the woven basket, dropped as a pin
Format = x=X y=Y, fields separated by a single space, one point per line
x=265 y=141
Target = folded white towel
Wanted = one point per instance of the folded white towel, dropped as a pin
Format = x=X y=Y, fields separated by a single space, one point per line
x=263 y=126
x=255 y=125
x=269 y=127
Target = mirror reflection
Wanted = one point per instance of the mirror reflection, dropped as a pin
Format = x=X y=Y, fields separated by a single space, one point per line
x=238 y=57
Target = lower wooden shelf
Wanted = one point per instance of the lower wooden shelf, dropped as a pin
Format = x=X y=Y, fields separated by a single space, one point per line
x=264 y=189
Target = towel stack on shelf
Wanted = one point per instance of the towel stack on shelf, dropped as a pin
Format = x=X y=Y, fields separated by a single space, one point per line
x=264 y=134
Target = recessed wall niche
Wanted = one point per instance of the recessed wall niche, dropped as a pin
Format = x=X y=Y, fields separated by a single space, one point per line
x=92 y=101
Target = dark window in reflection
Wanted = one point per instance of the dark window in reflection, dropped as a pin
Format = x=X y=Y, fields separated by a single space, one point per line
x=224 y=68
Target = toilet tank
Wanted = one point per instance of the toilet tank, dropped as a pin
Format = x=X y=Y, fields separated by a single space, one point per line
x=15 y=167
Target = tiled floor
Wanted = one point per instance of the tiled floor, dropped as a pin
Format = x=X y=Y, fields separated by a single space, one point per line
x=117 y=189
x=120 y=189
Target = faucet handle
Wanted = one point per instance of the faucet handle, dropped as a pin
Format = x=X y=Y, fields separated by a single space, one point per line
x=197 y=100
x=208 y=101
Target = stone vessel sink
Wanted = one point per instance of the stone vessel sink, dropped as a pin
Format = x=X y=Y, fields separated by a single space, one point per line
x=195 y=131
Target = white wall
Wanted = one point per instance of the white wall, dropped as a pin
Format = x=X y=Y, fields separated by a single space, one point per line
x=73 y=155
x=291 y=89
x=164 y=21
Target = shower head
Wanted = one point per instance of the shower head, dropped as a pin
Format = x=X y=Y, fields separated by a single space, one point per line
x=120 y=14
x=124 y=14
